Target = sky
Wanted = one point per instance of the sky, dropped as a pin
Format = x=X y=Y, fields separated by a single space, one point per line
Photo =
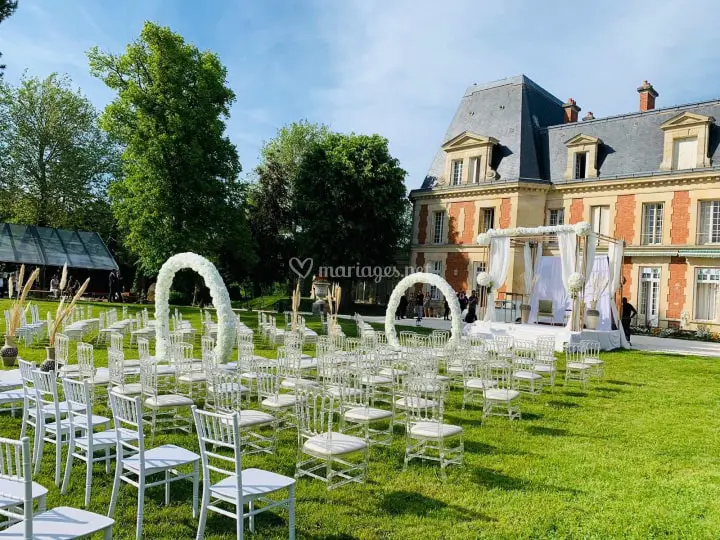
x=394 y=67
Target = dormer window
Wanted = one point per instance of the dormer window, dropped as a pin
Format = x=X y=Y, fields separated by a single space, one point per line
x=472 y=152
x=582 y=157
x=580 y=165
x=457 y=169
x=686 y=142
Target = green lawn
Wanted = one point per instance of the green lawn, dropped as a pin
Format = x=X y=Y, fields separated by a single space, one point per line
x=634 y=456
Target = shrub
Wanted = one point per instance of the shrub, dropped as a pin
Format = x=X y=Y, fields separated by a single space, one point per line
x=178 y=298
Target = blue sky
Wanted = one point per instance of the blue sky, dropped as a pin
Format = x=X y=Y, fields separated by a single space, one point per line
x=393 y=67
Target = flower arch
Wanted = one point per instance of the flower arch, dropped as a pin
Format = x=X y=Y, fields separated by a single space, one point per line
x=218 y=292
x=431 y=279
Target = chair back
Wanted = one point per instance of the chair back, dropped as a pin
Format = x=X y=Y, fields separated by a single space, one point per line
x=314 y=409
x=143 y=348
x=116 y=367
x=545 y=308
x=424 y=401
x=226 y=395
x=15 y=466
x=184 y=358
x=79 y=400
x=590 y=349
x=127 y=416
x=86 y=360
x=217 y=431
x=524 y=353
x=268 y=380
x=573 y=354
x=148 y=378
x=207 y=343
x=62 y=349
x=545 y=346
x=26 y=369
x=117 y=341
x=244 y=336
x=46 y=392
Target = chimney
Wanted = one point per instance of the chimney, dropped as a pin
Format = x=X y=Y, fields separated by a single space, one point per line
x=588 y=116
x=571 y=111
x=647 y=96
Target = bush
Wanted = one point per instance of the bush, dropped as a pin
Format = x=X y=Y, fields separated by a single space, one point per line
x=285 y=304
x=178 y=298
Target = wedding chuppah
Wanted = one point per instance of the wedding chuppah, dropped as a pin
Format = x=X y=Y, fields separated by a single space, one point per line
x=569 y=295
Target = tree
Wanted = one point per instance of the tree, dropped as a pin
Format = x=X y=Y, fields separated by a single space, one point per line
x=7 y=8
x=272 y=212
x=180 y=188
x=350 y=200
x=56 y=161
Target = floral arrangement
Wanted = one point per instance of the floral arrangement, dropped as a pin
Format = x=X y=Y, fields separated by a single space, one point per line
x=399 y=292
x=218 y=292
x=484 y=280
x=581 y=229
x=575 y=282
x=64 y=308
x=295 y=306
x=18 y=305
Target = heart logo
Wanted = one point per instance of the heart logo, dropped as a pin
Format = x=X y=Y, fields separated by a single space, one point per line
x=301 y=268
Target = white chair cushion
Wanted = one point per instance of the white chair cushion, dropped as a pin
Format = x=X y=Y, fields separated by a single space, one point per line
x=389 y=372
x=501 y=394
x=106 y=438
x=281 y=401
x=195 y=376
x=61 y=523
x=527 y=375
x=168 y=400
x=297 y=382
x=403 y=403
x=12 y=492
x=338 y=444
x=433 y=430
x=375 y=379
x=161 y=458
x=593 y=361
x=251 y=417
x=456 y=369
x=228 y=387
x=577 y=365
x=479 y=384
x=255 y=483
x=11 y=396
x=336 y=391
x=544 y=368
x=366 y=414
x=132 y=389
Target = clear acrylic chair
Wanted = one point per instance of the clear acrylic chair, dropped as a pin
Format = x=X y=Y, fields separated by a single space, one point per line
x=221 y=452
x=166 y=410
x=501 y=398
x=86 y=369
x=575 y=367
x=373 y=424
x=591 y=356
x=476 y=374
x=525 y=378
x=141 y=467
x=545 y=362
x=280 y=404
x=427 y=437
x=190 y=377
x=330 y=456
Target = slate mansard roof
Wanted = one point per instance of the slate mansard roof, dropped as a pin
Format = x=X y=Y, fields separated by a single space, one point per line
x=528 y=122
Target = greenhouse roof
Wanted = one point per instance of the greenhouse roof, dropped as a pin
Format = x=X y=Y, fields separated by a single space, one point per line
x=26 y=244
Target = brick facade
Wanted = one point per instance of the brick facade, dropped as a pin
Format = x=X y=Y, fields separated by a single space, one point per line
x=461 y=233
x=457 y=261
x=422 y=225
x=679 y=226
x=420 y=261
x=676 y=286
x=576 y=211
x=505 y=209
x=627 y=278
x=625 y=218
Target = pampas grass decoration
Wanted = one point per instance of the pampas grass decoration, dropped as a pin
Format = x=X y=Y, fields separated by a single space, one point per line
x=18 y=306
x=63 y=278
x=64 y=310
x=295 y=305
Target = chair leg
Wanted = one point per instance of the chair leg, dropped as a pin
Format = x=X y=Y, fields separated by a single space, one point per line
x=203 y=512
x=141 y=508
x=196 y=487
x=88 y=475
x=116 y=488
x=252 y=516
x=167 y=488
x=40 y=447
x=291 y=512
x=68 y=468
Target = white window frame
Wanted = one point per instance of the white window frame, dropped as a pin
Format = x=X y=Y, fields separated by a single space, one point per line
x=708 y=222
x=577 y=173
x=556 y=216
x=653 y=216
x=435 y=268
x=600 y=225
x=484 y=213
x=456 y=172
x=707 y=278
x=476 y=170
x=650 y=275
x=439 y=227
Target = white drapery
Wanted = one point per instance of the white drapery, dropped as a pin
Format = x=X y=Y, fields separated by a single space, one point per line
x=567 y=243
x=590 y=245
x=531 y=271
x=615 y=256
x=499 y=264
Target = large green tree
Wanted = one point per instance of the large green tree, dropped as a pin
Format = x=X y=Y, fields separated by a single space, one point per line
x=272 y=212
x=7 y=8
x=56 y=162
x=350 y=201
x=180 y=188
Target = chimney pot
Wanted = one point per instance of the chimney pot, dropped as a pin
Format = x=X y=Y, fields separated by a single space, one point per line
x=588 y=116
x=647 y=96
x=571 y=111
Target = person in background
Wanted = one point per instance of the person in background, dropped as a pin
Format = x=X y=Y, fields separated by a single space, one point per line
x=112 y=285
x=419 y=303
x=54 y=286
x=627 y=313
x=446 y=315
x=426 y=305
x=118 y=286
x=463 y=300
x=471 y=316
x=402 y=308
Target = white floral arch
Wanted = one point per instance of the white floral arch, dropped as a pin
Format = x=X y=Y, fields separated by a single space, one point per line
x=430 y=279
x=218 y=292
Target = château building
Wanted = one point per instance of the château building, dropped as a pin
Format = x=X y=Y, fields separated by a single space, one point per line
x=517 y=156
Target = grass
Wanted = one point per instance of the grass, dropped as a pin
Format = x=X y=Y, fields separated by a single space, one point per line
x=636 y=456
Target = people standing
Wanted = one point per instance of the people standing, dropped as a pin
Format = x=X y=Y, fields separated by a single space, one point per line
x=471 y=316
x=402 y=308
x=112 y=285
x=419 y=303
x=446 y=315
x=628 y=312
x=118 y=286
x=54 y=286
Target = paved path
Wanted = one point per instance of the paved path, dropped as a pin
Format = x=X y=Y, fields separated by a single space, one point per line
x=639 y=343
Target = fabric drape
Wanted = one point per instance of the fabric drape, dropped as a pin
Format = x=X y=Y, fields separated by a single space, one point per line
x=615 y=257
x=531 y=271
x=567 y=243
x=499 y=264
